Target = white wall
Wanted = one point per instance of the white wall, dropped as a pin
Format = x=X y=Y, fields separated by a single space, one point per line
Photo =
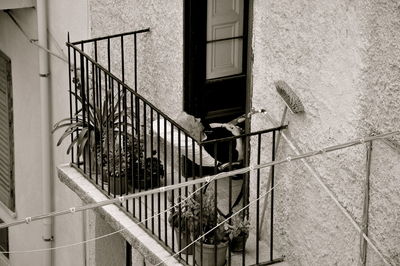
x=63 y=16
x=26 y=113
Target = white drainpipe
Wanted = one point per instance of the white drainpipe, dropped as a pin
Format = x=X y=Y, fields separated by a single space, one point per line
x=41 y=8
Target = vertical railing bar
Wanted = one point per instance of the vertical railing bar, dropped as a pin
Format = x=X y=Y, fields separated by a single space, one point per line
x=76 y=100
x=151 y=168
x=107 y=101
x=95 y=51
x=83 y=97
x=158 y=173
x=186 y=192
x=258 y=203
x=133 y=155
x=88 y=115
x=95 y=103
x=215 y=197
x=101 y=126
x=201 y=204
x=70 y=94
x=172 y=179
x=230 y=194
x=125 y=119
x=245 y=191
x=165 y=183
x=108 y=55
x=107 y=92
x=135 y=59
x=145 y=160
x=120 y=173
x=272 y=199
x=126 y=174
x=111 y=83
x=137 y=106
x=122 y=60
x=180 y=196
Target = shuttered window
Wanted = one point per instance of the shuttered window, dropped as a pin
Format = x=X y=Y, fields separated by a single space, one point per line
x=6 y=135
x=4 y=246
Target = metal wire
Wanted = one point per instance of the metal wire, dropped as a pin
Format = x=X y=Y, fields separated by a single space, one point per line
x=214 y=177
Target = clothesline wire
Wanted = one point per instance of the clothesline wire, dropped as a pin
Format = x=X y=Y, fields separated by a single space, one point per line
x=207 y=179
x=220 y=223
x=112 y=233
x=243 y=170
x=34 y=42
x=245 y=207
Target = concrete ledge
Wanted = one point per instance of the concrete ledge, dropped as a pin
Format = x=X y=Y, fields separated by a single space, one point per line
x=151 y=250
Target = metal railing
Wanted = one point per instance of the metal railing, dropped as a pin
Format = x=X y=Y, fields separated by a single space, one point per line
x=124 y=144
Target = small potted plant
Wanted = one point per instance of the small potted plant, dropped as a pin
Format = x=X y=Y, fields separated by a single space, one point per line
x=104 y=141
x=115 y=167
x=178 y=219
x=238 y=230
x=202 y=222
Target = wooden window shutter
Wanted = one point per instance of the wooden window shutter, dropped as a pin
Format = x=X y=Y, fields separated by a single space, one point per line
x=6 y=135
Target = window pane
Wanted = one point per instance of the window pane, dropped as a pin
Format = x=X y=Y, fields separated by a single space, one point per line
x=224 y=20
x=224 y=58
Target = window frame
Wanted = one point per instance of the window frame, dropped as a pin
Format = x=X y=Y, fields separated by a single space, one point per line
x=195 y=53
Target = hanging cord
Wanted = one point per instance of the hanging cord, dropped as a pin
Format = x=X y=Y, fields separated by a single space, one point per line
x=215 y=177
x=34 y=42
x=208 y=179
x=120 y=199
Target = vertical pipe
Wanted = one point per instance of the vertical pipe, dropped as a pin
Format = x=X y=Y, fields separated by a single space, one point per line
x=45 y=118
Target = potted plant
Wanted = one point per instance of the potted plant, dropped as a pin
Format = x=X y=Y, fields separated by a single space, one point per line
x=202 y=222
x=103 y=130
x=238 y=230
x=178 y=219
x=92 y=125
x=115 y=167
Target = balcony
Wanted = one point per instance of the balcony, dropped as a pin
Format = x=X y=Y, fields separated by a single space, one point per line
x=123 y=145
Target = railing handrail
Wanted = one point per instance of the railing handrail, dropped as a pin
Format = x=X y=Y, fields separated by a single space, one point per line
x=111 y=36
x=165 y=116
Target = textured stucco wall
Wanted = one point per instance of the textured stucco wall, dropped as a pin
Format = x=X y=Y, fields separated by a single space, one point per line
x=160 y=53
x=341 y=58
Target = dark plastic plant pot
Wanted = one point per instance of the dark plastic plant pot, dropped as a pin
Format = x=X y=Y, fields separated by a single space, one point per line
x=208 y=254
x=238 y=243
x=183 y=240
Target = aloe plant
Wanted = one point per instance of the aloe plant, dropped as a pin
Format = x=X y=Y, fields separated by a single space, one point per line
x=94 y=123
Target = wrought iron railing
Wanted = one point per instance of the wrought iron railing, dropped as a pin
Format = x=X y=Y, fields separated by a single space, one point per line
x=124 y=144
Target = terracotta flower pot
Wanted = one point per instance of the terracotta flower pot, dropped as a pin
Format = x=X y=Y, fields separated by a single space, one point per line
x=238 y=243
x=208 y=254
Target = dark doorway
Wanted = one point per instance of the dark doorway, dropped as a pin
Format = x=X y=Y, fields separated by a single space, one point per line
x=215 y=66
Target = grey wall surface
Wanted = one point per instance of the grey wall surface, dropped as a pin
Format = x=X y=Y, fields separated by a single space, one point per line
x=342 y=59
